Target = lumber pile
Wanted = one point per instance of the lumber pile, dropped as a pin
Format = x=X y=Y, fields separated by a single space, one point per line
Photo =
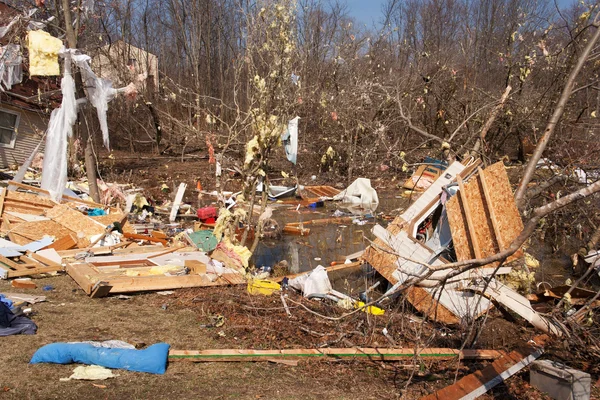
x=104 y=254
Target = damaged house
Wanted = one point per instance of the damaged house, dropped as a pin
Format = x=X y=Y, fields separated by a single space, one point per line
x=25 y=101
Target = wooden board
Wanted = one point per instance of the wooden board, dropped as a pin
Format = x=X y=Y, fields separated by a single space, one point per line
x=366 y=354
x=426 y=305
x=323 y=191
x=74 y=220
x=64 y=243
x=89 y=277
x=475 y=224
x=479 y=382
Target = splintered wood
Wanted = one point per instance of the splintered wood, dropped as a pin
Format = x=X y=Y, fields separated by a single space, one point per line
x=143 y=271
x=484 y=218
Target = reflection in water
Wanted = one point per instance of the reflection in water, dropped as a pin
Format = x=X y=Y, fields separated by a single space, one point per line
x=325 y=243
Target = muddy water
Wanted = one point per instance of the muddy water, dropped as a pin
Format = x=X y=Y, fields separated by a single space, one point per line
x=325 y=243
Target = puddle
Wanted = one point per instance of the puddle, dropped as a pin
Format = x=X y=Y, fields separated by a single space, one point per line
x=326 y=243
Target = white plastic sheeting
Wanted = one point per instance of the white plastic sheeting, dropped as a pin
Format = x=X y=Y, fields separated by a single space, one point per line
x=359 y=192
x=99 y=93
x=290 y=140
x=313 y=282
x=60 y=128
x=11 y=71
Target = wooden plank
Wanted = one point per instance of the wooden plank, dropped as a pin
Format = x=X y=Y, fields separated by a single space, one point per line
x=64 y=243
x=144 y=237
x=10 y=263
x=366 y=354
x=473 y=234
x=33 y=271
x=323 y=221
x=160 y=282
x=2 y=197
x=478 y=383
x=83 y=274
x=100 y=290
x=295 y=230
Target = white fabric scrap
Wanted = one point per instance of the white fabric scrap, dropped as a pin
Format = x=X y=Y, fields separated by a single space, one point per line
x=90 y=373
x=60 y=128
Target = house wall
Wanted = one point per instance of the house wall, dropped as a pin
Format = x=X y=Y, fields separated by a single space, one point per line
x=29 y=133
x=111 y=63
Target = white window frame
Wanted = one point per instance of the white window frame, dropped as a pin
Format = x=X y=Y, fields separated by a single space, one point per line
x=15 y=129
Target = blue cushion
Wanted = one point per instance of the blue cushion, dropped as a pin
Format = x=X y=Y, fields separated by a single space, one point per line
x=152 y=360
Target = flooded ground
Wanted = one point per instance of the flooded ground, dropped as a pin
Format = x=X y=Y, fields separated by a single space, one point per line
x=329 y=243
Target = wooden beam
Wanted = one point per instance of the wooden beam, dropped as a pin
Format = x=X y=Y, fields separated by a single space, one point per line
x=366 y=354
x=469 y=217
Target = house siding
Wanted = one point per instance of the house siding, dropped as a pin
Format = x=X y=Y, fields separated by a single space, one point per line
x=29 y=133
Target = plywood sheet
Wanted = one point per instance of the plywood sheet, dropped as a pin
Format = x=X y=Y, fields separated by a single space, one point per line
x=38 y=229
x=502 y=205
x=32 y=199
x=74 y=220
x=509 y=220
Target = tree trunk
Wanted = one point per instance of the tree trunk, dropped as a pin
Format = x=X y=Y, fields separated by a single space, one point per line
x=90 y=160
x=558 y=112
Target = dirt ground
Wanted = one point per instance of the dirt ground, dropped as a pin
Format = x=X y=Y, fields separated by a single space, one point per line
x=250 y=322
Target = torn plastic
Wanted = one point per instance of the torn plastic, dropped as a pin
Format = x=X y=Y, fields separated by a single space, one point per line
x=359 y=192
x=99 y=93
x=11 y=70
x=290 y=140
x=315 y=282
x=43 y=53
x=60 y=128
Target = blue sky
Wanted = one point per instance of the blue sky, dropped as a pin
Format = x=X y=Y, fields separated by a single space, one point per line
x=369 y=11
